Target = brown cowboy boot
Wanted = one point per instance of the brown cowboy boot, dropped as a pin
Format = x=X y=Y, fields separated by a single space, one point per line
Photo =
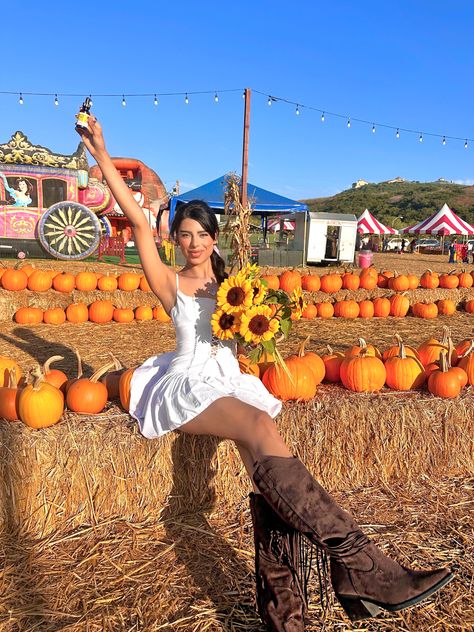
x=281 y=599
x=364 y=579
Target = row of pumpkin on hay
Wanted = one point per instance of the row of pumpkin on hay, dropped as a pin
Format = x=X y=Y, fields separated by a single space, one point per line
x=102 y=311
x=368 y=279
x=445 y=369
x=40 y=280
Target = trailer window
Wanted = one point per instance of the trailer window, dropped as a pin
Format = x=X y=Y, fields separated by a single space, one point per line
x=54 y=190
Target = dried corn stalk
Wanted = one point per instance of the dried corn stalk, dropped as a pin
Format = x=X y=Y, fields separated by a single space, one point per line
x=237 y=227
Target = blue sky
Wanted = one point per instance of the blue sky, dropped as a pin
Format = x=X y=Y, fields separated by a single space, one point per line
x=406 y=64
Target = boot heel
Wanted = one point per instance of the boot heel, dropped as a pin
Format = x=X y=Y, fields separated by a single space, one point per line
x=357 y=608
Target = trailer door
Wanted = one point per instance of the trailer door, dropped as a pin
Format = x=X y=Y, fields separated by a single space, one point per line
x=347 y=242
x=316 y=241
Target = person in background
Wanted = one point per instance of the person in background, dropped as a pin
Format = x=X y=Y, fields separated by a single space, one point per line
x=452 y=251
x=470 y=251
x=403 y=245
x=384 y=244
x=464 y=253
x=413 y=243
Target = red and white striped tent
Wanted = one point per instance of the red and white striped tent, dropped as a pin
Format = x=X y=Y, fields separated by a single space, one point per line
x=274 y=224
x=443 y=222
x=368 y=225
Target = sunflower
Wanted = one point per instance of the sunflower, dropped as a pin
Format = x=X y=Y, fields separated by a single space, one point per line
x=259 y=292
x=224 y=325
x=297 y=303
x=249 y=271
x=234 y=294
x=257 y=324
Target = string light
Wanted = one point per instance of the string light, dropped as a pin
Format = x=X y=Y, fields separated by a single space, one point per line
x=348 y=122
x=124 y=103
x=56 y=100
x=322 y=117
x=398 y=133
x=297 y=111
x=20 y=100
x=216 y=98
x=155 y=100
x=186 y=100
x=421 y=138
x=373 y=129
x=444 y=140
x=465 y=144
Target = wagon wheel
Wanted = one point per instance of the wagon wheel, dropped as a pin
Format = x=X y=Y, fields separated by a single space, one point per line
x=105 y=226
x=69 y=230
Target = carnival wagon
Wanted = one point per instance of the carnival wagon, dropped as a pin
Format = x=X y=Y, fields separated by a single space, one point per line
x=50 y=199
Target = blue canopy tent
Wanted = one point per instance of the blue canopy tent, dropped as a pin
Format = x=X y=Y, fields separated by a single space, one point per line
x=263 y=202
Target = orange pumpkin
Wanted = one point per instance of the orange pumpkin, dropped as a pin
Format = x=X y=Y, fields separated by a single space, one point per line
x=399 y=305
x=86 y=281
x=89 y=395
x=425 y=310
x=430 y=350
x=366 y=308
x=314 y=362
x=469 y=306
x=368 y=279
x=101 y=311
x=290 y=280
x=54 y=316
x=446 y=307
x=404 y=372
x=310 y=311
x=331 y=283
x=77 y=313
x=350 y=281
x=128 y=281
x=429 y=280
x=107 y=283
x=144 y=285
x=467 y=363
x=160 y=314
x=144 y=312
x=444 y=382
x=9 y=398
x=64 y=282
x=362 y=346
x=363 y=373
x=14 y=280
x=346 y=309
x=124 y=388
x=123 y=315
x=272 y=281
x=8 y=366
x=40 y=404
x=381 y=307
x=295 y=383
x=29 y=316
x=325 y=309
x=54 y=376
x=465 y=279
x=449 y=280
x=399 y=283
x=311 y=282
x=112 y=379
x=332 y=363
x=413 y=281
x=393 y=351
x=265 y=361
x=39 y=281
x=247 y=366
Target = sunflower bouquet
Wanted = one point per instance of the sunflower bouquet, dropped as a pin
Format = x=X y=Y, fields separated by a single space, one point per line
x=253 y=315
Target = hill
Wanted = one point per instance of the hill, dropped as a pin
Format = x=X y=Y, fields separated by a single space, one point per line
x=400 y=203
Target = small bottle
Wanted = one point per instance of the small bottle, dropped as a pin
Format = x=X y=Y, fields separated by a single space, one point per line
x=84 y=113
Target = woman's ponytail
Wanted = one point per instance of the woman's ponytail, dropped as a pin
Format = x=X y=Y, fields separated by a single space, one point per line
x=218 y=267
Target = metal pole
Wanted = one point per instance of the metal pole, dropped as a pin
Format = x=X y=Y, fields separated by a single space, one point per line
x=245 y=148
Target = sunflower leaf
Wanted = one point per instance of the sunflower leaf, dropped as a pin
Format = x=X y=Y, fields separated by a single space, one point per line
x=269 y=345
x=285 y=326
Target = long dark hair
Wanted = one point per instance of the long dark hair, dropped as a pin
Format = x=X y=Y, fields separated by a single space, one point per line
x=201 y=212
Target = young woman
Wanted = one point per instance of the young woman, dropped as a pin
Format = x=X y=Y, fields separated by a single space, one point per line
x=199 y=389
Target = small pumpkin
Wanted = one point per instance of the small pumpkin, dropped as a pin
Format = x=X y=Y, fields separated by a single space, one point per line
x=413 y=281
x=40 y=404
x=331 y=283
x=325 y=309
x=40 y=281
x=295 y=383
x=366 y=308
x=143 y=312
x=465 y=279
x=86 y=281
x=29 y=316
x=368 y=349
x=314 y=362
x=368 y=280
x=160 y=314
x=430 y=350
x=404 y=372
x=425 y=310
x=14 y=280
x=247 y=366
x=101 y=311
x=54 y=316
x=449 y=280
x=399 y=283
x=444 y=382
x=124 y=388
x=466 y=363
x=446 y=307
x=363 y=373
x=469 y=306
x=123 y=315
x=399 y=305
x=89 y=395
x=77 y=313
x=128 y=281
x=9 y=397
x=310 y=311
x=393 y=351
x=381 y=307
x=64 y=282
x=54 y=376
x=112 y=378
x=350 y=281
x=429 y=280
x=346 y=309
x=272 y=281
x=332 y=363
x=107 y=283
x=144 y=285
x=289 y=280
x=311 y=282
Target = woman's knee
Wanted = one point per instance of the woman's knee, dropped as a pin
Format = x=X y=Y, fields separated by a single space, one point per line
x=261 y=427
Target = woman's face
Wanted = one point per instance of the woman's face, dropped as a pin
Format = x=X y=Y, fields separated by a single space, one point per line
x=195 y=242
x=22 y=186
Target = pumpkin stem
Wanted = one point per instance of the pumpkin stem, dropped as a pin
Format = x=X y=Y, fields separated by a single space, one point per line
x=302 y=346
x=398 y=338
x=401 y=350
x=102 y=371
x=37 y=376
x=49 y=362
x=443 y=361
x=79 y=363
x=330 y=350
x=446 y=335
x=362 y=343
x=116 y=361
x=450 y=351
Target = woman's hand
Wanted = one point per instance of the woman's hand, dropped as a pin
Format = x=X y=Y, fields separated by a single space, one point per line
x=92 y=137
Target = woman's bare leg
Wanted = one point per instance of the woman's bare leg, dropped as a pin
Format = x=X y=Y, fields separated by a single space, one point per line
x=248 y=461
x=253 y=429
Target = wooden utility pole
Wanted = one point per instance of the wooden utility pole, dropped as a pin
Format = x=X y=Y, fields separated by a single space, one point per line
x=245 y=149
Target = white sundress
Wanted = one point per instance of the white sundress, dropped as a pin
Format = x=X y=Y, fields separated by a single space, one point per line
x=171 y=389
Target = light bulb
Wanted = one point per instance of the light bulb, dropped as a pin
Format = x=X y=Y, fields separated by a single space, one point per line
x=269 y=100
x=155 y=100
x=373 y=129
x=348 y=122
x=421 y=138
x=20 y=100
x=216 y=98
x=56 y=100
x=186 y=100
x=444 y=140
x=398 y=133
x=465 y=144
x=322 y=117
x=297 y=111
x=124 y=103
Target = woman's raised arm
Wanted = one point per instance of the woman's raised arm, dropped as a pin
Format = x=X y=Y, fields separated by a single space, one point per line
x=159 y=276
